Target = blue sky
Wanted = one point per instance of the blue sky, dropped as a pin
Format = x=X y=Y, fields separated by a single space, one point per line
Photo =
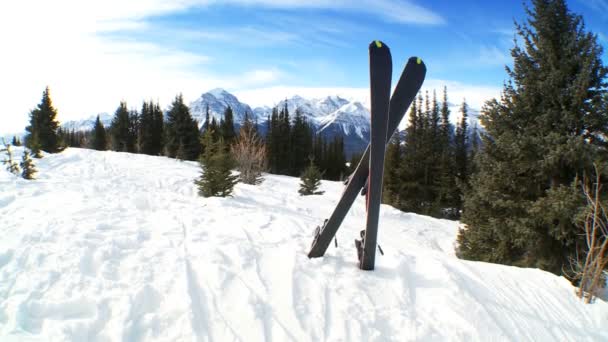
x=101 y=52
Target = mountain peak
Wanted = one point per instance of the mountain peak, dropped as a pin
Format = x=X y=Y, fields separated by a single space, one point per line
x=218 y=92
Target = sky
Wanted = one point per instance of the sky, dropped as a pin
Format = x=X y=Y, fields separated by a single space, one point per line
x=94 y=54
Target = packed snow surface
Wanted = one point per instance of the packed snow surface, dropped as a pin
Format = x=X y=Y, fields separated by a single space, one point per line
x=109 y=246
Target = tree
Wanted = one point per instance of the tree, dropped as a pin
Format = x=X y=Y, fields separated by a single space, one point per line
x=216 y=178
x=16 y=141
x=227 y=126
x=43 y=129
x=146 y=129
x=310 y=181
x=28 y=167
x=392 y=165
x=182 y=134
x=541 y=136
x=100 y=141
x=249 y=155
x=11 y=165
x=588 y=269
x=122 y=130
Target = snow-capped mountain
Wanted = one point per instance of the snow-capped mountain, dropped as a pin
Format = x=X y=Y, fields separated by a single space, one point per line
x=329 y=116
x=88 y=123
x=217 y=100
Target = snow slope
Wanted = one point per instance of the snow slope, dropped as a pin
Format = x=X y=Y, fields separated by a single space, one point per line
x=109 y=246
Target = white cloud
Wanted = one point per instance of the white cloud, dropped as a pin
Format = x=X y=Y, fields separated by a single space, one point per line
x=64 y=44
x=493 y=56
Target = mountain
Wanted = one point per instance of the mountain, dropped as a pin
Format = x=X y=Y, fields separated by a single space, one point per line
x=163 y=264
x=329 y=116
x=217 y=100
x=88 y=123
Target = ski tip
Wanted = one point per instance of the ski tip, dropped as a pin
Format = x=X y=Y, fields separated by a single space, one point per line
x=377 y=44
x=416 y=60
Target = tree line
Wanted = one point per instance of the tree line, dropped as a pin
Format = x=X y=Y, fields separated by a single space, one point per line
x=427 y=166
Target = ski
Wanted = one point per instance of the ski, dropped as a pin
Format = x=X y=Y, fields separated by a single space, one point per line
x=381 y=69
x=408 y=86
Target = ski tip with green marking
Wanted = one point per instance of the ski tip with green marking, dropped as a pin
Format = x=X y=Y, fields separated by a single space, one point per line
x=377 y=44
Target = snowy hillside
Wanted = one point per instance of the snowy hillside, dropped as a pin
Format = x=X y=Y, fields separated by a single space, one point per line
x=109 y=246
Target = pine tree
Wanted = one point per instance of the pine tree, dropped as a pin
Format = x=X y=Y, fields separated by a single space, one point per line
x=392 y=165
x=16 y=141
x=99 y=139
x=182 y=133
x=461 y=147
x=11 y=165
x=28 y=167
x=310 y=181
x=122 y=129
x=145 y=140
x=541 y=136
x=301 y=140
x=216 y=177
x=227 y=126
x=43 y=129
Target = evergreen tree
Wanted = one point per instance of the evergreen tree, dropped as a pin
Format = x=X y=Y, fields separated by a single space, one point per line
x=99 y=138
x=182 y=133
x=227 y=126
x=145 y=138
x=216 y=177
x=310 y=181
x=301 y=140
x=43 y=129
x=461 y=142
x=156 y=137
x=11 y=165
x=448 y=196
x=122 y=130
x=543 y=134
x=392 y=165
x=27 y=165
x=16 y=141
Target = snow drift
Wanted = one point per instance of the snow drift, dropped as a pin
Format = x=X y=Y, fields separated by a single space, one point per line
x=109 y=246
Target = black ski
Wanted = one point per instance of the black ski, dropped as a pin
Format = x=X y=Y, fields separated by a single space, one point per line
x=408 y=86
x=380 y=70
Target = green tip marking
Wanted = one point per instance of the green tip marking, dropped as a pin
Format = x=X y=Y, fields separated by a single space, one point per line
x=378 y=44
x=418 y=60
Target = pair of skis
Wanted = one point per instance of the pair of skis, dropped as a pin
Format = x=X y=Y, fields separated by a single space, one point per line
x=387 y=112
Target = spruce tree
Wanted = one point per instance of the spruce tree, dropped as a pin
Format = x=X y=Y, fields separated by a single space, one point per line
x=122 y=130
x=216 y=177
x=310 y=180
x=541 y=137
x=392 y=165
x=11 y=165
x=27 y=166
x=99 y=139
x=182 y=133
x=301 y=140
x=227 y=126
x=43 y=128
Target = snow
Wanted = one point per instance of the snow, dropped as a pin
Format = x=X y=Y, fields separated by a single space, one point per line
x=109 y=246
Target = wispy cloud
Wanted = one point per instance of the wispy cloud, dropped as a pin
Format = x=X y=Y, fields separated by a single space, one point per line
x=493 y=56
x=391 y=10
x=599 y=5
